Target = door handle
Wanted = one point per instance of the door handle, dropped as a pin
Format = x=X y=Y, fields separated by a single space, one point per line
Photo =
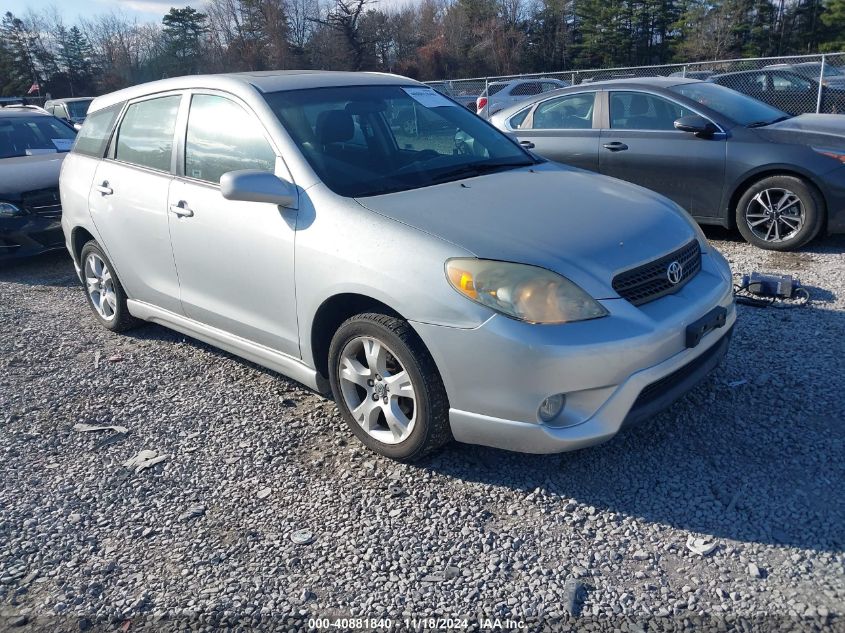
x=615 y=146
x=181 y=209
x=527 y=144
x=104 y=189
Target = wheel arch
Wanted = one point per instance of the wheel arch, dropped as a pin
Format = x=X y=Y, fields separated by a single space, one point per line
x=766 y=172
x=79 y=238
x=331 y=314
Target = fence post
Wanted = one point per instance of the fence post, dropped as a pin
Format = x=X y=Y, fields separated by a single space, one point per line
x=572 y=83
x=486 y=92
x=684 y=71
x=821 y=87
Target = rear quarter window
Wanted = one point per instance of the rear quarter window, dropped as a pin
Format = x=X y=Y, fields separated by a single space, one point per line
x=96 y=131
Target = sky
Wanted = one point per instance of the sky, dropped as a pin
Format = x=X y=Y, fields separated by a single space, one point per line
x=144 y=10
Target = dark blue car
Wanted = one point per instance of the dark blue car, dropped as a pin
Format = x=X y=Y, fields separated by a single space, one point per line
x=32 y=147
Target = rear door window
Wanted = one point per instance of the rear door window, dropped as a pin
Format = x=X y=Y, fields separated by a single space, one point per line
x=145 y=136
x=572 y=112
x=526 y=88
x=788 y=83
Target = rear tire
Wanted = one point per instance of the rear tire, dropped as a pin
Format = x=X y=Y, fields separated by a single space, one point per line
x=780 y=213
x=387 y=387
x=103 y=291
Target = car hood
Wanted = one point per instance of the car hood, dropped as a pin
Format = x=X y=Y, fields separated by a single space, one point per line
x=819 y=130
x=584 y=226
x=28 y=173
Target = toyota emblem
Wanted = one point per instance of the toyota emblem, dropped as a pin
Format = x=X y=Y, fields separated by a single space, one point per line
x=674 y=272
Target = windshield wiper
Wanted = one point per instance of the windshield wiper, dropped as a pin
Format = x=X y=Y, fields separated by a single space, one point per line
x=475 y=169
x=765 y=123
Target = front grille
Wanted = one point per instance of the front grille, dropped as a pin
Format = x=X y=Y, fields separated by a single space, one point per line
x=7 y=247
x=650 y=281
x=43 y=202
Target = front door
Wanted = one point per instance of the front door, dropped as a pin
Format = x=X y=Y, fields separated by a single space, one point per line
x=235 y=259
x=128 y=201
x=641 y=145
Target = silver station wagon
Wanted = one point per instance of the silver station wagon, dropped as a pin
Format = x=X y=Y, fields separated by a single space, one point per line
x=439 y=280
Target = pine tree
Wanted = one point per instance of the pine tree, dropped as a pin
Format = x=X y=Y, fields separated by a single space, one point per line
x=183 y=31
x=20 y=49
x=833 y=19
x=75 y=60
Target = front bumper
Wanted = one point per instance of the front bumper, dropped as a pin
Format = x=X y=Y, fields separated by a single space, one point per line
x=616 y=370
x=29 y=235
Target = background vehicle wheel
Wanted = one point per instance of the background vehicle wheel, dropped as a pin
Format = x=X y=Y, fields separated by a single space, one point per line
x=388 y=388
x=780 y=213
x=103 y=290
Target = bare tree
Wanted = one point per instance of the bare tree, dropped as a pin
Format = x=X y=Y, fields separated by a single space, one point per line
x=344 y=18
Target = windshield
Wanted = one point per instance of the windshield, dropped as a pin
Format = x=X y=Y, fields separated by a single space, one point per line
x=369 y=140
x=27 y=136
x=78 y=109
x=731 y=104
x=812 y=70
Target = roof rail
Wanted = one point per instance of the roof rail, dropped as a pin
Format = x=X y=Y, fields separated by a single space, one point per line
x=22 y=106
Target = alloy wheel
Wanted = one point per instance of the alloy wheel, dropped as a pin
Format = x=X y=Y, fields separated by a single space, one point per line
x=775 y=215
x=100 y=285
x=377 y=390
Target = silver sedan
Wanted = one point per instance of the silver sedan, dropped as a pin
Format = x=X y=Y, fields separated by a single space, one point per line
x=436 y=278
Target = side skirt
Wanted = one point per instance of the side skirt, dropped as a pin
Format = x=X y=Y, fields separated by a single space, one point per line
x=264 y=356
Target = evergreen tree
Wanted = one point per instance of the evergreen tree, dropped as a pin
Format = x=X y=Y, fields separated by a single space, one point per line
x=833 y=19
x=183 y=31
x=19 y=44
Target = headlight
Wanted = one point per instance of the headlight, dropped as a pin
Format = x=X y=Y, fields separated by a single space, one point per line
x=523 y=292
x=8 y=210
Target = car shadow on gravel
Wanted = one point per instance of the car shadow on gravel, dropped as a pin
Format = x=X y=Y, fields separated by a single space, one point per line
x=754 y=454
x=53 y=269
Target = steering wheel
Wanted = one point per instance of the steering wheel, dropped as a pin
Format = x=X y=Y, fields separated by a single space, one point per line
x=424 y=156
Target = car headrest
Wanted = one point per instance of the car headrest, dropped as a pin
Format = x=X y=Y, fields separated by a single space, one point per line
x=334 y=126
x=639 y=105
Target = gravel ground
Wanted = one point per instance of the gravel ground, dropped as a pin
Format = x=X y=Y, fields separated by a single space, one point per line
x=751 y=462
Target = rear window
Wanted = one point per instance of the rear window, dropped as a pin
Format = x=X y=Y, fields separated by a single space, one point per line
x=78 y=109
x=493 y=89
x=94 y=135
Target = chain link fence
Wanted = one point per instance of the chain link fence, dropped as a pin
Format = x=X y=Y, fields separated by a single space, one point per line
x=795 y=84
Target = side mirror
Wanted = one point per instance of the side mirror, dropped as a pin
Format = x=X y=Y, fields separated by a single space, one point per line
x=254 y=185
x=696 y=124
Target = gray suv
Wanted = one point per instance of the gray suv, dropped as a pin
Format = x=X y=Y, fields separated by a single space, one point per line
x=438 y=289
x=73 y=110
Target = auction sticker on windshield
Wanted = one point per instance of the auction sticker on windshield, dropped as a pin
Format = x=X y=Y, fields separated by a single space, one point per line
x=428 y=97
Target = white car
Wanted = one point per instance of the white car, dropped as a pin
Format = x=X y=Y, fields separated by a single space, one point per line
x=501 y=94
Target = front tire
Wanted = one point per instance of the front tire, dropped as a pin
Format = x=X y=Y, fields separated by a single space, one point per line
x=387 y=387
x=103 y=290
x=780 y=213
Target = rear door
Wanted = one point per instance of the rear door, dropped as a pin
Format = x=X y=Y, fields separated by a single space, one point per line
x=128 y=200
x=235 y=259
x=562 y=130
x=640 y=144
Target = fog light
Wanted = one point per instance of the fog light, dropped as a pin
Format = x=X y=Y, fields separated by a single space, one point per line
x=551 y=407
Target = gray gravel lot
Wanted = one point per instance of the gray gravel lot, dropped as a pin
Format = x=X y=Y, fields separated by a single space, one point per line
x=751 y=461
